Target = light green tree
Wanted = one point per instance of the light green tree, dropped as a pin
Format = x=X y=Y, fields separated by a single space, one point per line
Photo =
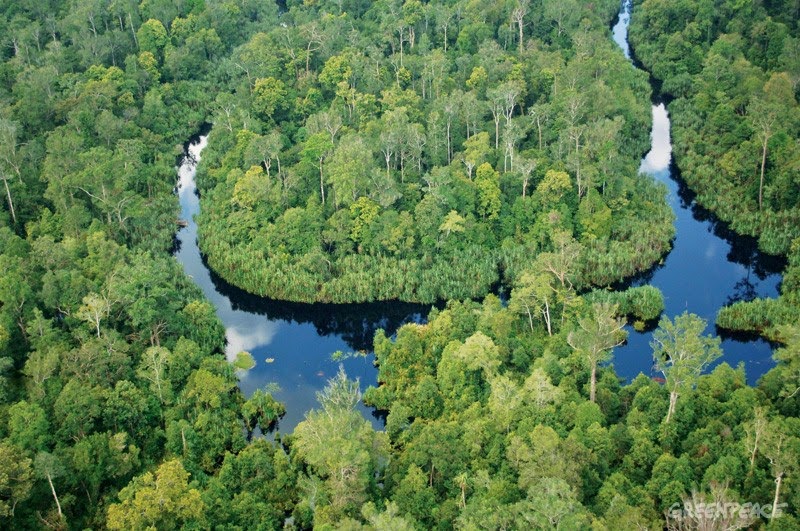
x=152 y=37
x=452 y=223
x=681 y=354
x=16 y=478
x=487 y=180
x=342 y=448
x=268 y=96
x=160 y=500
x=782 y=448
x=595 y=338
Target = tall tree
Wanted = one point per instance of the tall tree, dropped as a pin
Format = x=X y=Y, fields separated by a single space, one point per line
x=596 y=337
x=782 y=449
x=681 y=354
x=9 y=161
x=768 y=112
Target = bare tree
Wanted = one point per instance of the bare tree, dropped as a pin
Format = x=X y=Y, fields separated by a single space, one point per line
x=9 y=161
x=518 y=18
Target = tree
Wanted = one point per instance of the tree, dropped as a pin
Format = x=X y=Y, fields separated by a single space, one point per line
x=348 y=169
x=526 y=168
x=513 y=132
x=16 y=478
x=489 y=197
x=264 y=149
x=596 y=336
x=453 y=222
x=28 y=427
x=315 y=150
x=9 y=161
x=562 y=261
x=552 y=504
x=754 y=433
x=153 y=369
x=48 y=466
x=476 y=151
x=340 y=446
x=152 y=37
x=719 y=497
x=764 y=117
x=268 y=96
x=163 y=500
x=768 y=112
x=539 y=114
x=502 y=102
x=788 y=358
x=553 y=187
x=95 y=308
x=262 y=409
x=518 y=17
x=782 y=448
x=681 y=354
x=534 y=294
x=539 y=390
x=563 y=14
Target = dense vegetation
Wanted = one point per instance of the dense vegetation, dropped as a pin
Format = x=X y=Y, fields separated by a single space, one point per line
x=491 y=427
x=110 y=358
x=117 y=409
x=732 y=73
x=423 y=152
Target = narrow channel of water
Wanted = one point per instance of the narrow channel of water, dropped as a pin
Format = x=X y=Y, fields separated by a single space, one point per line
x=708 y=267
x=291 y=343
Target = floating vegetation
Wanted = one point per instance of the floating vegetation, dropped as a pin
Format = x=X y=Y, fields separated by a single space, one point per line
x=244 y=361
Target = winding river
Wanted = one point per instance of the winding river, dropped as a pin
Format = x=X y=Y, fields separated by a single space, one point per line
x=293 y=344
x=709 y=266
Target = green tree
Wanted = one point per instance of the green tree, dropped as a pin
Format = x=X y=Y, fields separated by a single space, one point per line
x=152 y=37
x=160 y=500
x=681 y=354
x=452 y=223
x=48 y=466
x=341 y=447
x=534 y=294
x=10 y=164
x=16 y=478
x=95 y=308
x=316 y=149
x=595 y=338
x=349 y=169
x=782 y=448
x=28 y=427
x=268 y=96
x=487 y=180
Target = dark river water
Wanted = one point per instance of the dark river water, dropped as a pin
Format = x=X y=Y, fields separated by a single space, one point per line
x=293 y=344
x=708 y=267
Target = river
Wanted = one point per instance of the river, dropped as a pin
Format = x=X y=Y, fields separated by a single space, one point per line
x=293 y=344
x=709 y=266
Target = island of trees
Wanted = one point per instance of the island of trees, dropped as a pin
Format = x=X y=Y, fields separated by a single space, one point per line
x=422 y=152
x=358 y=147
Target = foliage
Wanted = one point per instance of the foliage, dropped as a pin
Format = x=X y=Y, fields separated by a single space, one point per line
x=433 y=165
x=367 y=151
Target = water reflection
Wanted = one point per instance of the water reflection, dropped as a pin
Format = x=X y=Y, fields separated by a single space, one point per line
x=660 y=154
x=620 y=30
